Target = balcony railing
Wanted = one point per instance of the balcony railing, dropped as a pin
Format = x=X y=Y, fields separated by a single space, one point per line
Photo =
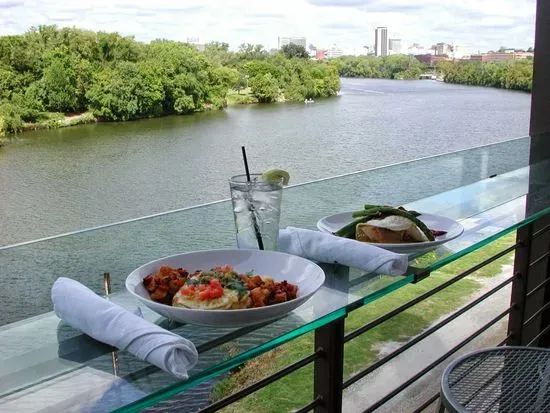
x=471 y=186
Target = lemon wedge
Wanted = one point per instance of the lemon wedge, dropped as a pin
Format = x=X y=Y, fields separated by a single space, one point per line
x=276 y=175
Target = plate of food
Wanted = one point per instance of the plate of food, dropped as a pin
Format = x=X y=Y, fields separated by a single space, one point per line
x=395 y=229
x=225 y=288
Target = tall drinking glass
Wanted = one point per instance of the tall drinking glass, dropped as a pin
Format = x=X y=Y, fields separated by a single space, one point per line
x=257 y=210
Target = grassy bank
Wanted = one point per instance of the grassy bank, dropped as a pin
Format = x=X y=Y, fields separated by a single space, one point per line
x=54 y=120
x=59 y=120
x=296 y=389
x=242 y=97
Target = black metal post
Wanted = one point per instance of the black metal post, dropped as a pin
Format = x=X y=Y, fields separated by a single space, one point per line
x=539 y=130
x=519 y=286
x=543 y=339
x=329 y=369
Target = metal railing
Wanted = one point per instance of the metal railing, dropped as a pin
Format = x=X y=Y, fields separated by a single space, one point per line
x=328 y=355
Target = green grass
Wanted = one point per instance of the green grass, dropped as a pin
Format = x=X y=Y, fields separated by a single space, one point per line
x=53 y=120
x=296 y=389
x=243 y=97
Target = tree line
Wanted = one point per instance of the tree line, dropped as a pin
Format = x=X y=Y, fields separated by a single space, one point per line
x=389 y=67
x=50 y=70
x=512 y=74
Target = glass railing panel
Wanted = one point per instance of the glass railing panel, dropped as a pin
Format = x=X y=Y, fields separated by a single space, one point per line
x=121 y=248
x=411 y=181
x=488 y=209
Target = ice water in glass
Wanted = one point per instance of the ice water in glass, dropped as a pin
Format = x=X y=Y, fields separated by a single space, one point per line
x=256 y=208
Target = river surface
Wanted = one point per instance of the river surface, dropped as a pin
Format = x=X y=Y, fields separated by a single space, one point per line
x=61 y=180
x=67 y=179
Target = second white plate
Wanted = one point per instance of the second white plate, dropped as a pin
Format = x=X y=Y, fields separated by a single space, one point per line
x=333 y=223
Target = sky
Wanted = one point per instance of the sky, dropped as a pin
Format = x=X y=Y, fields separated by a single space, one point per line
x=478 y=25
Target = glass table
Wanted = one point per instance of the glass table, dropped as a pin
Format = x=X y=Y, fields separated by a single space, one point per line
x=47 y=364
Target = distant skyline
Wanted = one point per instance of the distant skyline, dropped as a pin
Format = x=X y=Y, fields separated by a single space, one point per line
x=478 y=25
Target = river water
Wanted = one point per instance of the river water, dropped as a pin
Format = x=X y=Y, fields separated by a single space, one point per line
x=56 y=181
x=62 y=180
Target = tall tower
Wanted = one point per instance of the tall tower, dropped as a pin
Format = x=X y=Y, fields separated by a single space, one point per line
x=381 y=41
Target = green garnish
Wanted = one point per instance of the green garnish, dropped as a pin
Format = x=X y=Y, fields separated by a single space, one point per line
x=237 y=285
x=374 y=211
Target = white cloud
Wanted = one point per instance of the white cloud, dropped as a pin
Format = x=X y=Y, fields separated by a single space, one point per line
x=477 y=24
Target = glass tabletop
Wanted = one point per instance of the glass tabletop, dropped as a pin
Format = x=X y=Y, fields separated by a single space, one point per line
x=41 y=357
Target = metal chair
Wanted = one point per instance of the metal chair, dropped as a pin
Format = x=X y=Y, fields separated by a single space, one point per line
x=501 y=379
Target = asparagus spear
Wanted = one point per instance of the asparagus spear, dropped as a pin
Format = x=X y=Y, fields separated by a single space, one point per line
x=367 y=214
x=371 y=206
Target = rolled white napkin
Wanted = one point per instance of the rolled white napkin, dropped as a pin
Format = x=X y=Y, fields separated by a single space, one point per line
x=323 y=247
x=109 y=323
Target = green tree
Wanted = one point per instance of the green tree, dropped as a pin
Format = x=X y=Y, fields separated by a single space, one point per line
x=10 y=82
x=241 y=83
x=29 y=104
x=219 y=53
x=293 y=50
x=58 y=86
x=51 y=69
x=128 y=91
x=10 y=119
x=513 y=74
x=390 y=67
x=248 y=51
x=187 y=93
x=114 y=47
x=265 y=87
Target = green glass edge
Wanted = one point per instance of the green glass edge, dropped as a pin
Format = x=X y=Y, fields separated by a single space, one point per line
x=453 y=257
x=385 y=290
x=227 y=365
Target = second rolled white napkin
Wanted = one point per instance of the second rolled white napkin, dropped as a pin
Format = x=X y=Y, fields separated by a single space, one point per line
x=109 y=323
x=323 y=247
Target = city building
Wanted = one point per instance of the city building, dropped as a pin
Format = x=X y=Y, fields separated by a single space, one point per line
x=431 y=59
x=499 y=57
x=320 y=54
x=479 y=58
x=333 y=51
x=283 y=41
x=459 y=52
x=312 y=51
x=394 y=46
x=442 y=49
x=381 y=41
x=417 y=49
x=365 y=51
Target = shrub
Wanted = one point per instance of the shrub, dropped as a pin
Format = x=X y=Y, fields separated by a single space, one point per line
x=10 y=119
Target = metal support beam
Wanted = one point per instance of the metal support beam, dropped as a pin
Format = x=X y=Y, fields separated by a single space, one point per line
x=543 y=340
x=519 y=285
x=539 y=130
x=329 y=369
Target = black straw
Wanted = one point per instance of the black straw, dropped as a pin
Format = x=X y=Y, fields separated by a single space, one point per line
x=256 y=228
x=246 y=164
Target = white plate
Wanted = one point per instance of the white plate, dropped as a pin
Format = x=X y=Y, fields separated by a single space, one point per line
x=454 y=229
x=309 y=277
